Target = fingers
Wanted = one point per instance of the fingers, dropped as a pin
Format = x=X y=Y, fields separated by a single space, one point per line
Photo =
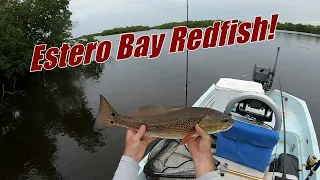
x=202 y=133
x=130 y=133
x=140 y=133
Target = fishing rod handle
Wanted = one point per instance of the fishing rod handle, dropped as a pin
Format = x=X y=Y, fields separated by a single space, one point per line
x=317 y=166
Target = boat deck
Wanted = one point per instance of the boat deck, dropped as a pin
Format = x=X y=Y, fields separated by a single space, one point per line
x=301 y=138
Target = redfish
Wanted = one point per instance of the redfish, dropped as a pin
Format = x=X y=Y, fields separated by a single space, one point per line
x=176 y=123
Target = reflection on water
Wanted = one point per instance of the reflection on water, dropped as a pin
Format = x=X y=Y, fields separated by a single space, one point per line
x=54 y=103
x=52 y=133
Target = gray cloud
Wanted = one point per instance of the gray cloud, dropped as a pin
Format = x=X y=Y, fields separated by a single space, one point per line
x=97 y=15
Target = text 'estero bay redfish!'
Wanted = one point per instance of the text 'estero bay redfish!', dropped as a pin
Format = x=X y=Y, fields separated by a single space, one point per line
x=220 y=34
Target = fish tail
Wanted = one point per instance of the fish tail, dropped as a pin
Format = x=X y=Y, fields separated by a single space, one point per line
x=107 y=116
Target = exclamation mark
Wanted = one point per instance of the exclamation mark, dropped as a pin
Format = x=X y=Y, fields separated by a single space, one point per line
x=273 y=26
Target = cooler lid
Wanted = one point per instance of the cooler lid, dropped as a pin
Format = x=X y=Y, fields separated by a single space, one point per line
x=239 y=85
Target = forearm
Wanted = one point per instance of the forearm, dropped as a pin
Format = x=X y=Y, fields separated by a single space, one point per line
x=203 y=166
x=128 y=169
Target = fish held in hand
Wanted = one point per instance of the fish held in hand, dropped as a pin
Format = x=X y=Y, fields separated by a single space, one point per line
x=177 y=123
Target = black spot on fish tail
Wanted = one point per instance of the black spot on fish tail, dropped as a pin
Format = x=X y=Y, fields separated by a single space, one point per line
x=106 y=116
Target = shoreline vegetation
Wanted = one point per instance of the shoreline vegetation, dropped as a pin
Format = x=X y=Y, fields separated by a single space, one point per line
x=304 y=28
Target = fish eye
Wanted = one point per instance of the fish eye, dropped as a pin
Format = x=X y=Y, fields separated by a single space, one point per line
x=113 y=114
x=225 y=120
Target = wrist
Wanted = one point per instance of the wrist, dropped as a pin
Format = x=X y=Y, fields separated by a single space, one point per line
x=202 y=157
x=203 y=165
x=132 y=155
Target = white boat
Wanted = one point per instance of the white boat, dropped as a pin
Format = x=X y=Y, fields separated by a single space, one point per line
x=243 y=100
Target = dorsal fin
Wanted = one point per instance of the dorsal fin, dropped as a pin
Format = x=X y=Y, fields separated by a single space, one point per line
x=149 y=110
x=176 y=108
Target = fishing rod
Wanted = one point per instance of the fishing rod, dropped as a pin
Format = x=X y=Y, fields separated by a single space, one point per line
x=285 y=140
x=274 y=69
x=187 y=63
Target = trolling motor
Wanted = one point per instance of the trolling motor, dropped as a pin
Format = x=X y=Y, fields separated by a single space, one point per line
x=312 y=165
x=265 y=76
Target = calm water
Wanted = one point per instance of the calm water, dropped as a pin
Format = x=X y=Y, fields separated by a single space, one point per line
x=48 y=131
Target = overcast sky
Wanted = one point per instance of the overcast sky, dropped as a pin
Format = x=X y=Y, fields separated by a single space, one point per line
x=97 y=15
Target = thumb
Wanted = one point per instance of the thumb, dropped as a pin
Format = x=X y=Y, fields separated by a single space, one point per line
x=202 y=133
x=140 y=133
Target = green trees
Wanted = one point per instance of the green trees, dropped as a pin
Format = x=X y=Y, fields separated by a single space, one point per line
x=280 y=26
x=124 y=30
x=117 y=30
x=53 y=103
x=191 y=24
x=299 y=27
x=24 y=24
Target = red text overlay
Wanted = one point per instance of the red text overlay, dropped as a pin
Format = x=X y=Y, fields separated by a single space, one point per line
x=220 y=34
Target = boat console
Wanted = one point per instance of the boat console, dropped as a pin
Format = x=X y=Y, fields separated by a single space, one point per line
x=261 y=100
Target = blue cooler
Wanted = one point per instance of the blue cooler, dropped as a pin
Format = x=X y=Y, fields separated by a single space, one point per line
x=247 y=144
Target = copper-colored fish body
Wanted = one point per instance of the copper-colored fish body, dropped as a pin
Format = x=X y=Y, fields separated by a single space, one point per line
x=176 y=123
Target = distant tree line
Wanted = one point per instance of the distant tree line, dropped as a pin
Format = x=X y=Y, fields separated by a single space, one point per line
x=307 y=28
x=117 y=30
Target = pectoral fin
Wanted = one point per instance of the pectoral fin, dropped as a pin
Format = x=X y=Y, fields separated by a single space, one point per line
x=189 y=137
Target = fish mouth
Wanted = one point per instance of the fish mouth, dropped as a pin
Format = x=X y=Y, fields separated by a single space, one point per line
x=222 y=129
x=227 y=128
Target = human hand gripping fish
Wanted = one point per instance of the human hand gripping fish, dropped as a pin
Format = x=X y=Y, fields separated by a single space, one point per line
x=177 y=123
